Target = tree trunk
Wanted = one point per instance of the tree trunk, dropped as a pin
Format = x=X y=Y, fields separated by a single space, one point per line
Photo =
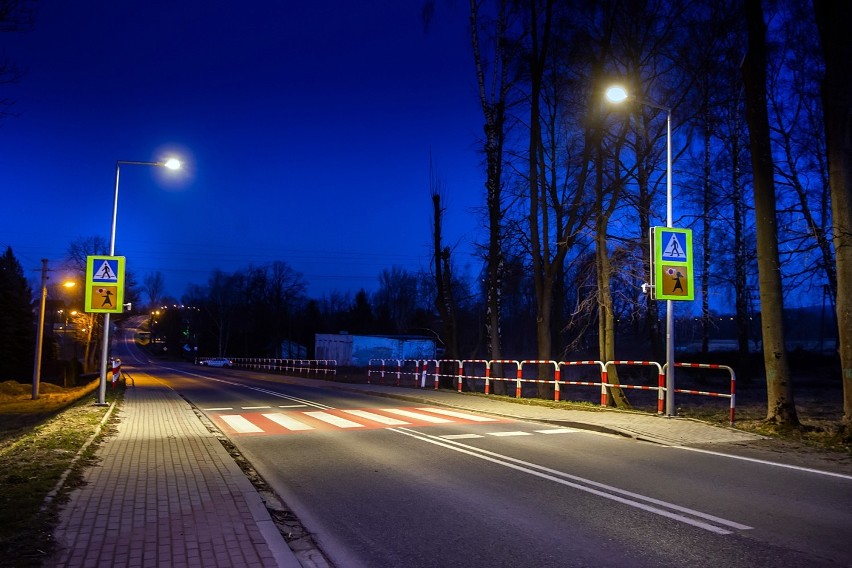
x=780 y=406
x=603 y=272
x=539 y=214
x=706 y=202
x=741 y=291
x=493 y=110
x=833 y=19
x=652 y=312
x=443 y=281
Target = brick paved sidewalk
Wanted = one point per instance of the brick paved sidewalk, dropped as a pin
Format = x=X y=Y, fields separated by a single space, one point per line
x=166 y=493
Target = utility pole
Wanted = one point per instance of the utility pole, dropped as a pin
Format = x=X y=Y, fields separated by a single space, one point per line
x=40 y=332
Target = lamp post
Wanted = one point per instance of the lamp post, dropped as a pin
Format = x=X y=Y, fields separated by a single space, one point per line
x=172 y=164
x=617 y=94
x=40 y=333
x=40 y=330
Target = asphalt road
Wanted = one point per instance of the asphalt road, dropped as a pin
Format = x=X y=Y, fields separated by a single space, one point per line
x=382 y=482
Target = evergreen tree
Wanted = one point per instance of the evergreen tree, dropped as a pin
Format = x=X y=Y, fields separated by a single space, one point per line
x=16 y=321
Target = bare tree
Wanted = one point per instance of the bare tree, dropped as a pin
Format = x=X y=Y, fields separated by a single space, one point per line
x=443 y=272
x=284 y=290
x=801 y=167
x=494 y=90
x=832 y=20
x=397 y=298
x=780 y=406
x=78 y=251
x=155 y=287
x=221 y=306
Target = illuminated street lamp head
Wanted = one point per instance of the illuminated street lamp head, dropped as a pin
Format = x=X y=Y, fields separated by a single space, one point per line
x=172 y=164
x=69 y=284
x=616 y=94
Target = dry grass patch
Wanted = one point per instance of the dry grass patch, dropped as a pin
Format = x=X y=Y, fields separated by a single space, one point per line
x=35 y=450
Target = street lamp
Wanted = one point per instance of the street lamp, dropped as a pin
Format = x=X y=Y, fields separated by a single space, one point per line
x=172 y=164
x=618 y=94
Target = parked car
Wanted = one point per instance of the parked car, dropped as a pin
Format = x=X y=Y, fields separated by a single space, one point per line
x=216 y=362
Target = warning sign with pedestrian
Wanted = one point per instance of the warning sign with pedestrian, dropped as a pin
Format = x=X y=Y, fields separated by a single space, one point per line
x=671 y=264
x=674 y=246
x=107 y=271
x=104 y=284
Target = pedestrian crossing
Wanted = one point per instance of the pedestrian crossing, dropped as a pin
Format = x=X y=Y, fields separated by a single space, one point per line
x=288 y=421
x=340 y=419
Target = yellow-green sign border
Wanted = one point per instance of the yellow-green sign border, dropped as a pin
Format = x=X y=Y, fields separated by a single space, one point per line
x=658 y=262
x=97 y=260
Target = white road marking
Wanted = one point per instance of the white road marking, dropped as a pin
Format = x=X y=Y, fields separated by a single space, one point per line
x=672 y=511
x=334 y=420
x=417 y=415
x=288 y=422
x=240 y=424
x=457 y=414
x=460 y=436
x=765 y=462
x=292 y=405
x=559 y=431
x=218 y=409
x=507 y=434
x=377 y=417
x=255 y=407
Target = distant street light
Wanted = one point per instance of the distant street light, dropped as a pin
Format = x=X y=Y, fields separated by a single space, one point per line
x=618 y=94
x=172 y=164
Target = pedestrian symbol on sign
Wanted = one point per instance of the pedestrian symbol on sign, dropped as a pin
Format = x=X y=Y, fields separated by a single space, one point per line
x=106 y=272
x=675 y=249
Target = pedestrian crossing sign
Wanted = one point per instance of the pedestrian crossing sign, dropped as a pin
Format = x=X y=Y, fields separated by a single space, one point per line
x=674 y=246
x=672 y=265
x=104 y=284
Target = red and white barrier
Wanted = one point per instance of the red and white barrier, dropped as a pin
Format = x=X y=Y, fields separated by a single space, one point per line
x=602 y=384
x=661 y=380
x=464 y=375
x=731 y=395
x=307 y=366
x=555 y=380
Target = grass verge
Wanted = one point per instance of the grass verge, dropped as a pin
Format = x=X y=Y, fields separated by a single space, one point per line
x=34 y=457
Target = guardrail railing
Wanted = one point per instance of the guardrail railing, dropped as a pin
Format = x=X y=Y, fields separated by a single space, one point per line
x=482 y=370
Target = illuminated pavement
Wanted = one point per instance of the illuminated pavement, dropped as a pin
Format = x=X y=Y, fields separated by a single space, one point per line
x=166 y=493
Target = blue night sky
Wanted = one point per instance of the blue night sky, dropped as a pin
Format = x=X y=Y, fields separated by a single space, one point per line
x=306 y=128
